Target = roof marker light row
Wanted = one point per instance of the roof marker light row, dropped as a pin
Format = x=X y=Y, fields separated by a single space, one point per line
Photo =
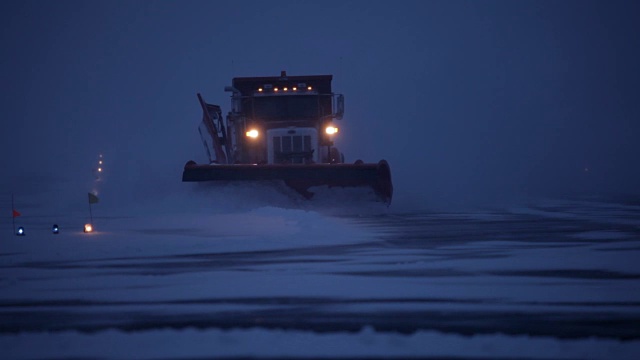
x=285 y=89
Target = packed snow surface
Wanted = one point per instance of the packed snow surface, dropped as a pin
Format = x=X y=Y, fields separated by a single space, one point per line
x=236 y=273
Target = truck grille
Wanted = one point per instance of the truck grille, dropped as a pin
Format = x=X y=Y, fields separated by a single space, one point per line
x=292 y=149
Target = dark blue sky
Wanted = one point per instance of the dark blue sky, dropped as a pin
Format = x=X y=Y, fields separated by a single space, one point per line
x=469 y=101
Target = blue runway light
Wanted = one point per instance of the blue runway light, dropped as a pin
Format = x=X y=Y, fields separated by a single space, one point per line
x=20 y=231
x=55 y=229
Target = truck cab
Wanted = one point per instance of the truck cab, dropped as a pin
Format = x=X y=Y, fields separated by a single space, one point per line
x=284 y=120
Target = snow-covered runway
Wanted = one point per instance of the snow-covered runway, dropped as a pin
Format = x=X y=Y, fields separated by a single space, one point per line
x=560 y=279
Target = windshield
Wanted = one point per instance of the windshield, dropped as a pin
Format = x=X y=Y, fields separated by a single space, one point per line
x=295 y=107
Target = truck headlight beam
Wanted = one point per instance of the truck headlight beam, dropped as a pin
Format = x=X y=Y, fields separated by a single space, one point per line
x=253 y=133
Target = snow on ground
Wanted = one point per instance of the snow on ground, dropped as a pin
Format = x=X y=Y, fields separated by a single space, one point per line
x=240 y=273
x=256 y=343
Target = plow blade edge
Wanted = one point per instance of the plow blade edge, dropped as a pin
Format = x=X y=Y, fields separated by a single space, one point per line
x=300 y=177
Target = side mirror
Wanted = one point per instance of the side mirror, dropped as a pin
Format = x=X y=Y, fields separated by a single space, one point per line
x=339 y=106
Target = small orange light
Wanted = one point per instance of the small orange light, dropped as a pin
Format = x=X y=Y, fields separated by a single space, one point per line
x=295 y=88
x=308 y=87
x=253 y=133
x=88 y=228
x=275 y=89
x=259 y=89
x=285 y=89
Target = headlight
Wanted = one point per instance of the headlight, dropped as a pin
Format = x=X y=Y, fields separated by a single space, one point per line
x=88 y=228
x=331 y=130
x=253 y=133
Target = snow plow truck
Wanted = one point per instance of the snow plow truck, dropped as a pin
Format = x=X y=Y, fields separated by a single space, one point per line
x=282 y=128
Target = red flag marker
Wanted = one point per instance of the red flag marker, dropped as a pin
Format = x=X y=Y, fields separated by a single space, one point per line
x=16 y=213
